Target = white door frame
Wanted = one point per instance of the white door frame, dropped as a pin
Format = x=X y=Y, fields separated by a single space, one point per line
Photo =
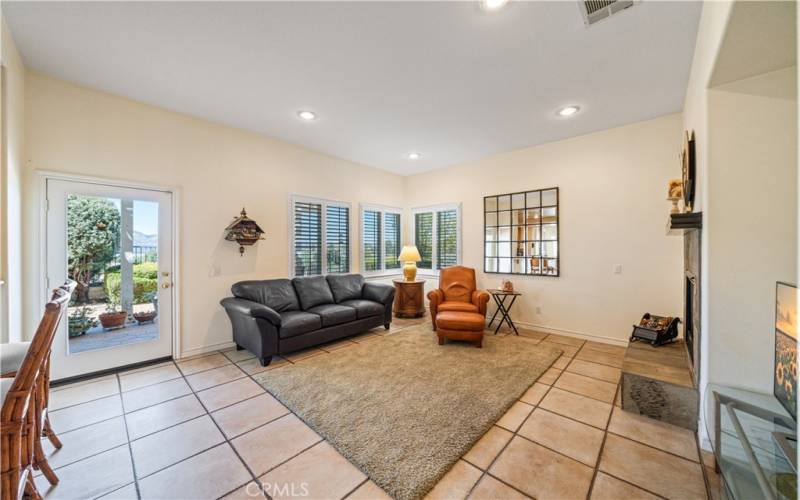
x=43 y=289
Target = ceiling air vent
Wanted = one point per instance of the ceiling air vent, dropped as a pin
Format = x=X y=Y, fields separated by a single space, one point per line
x=597 y=10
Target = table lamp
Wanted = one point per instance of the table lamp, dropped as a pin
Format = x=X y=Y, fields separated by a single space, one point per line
x=410 y=256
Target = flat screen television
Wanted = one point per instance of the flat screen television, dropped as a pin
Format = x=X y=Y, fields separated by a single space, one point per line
x=785 y=384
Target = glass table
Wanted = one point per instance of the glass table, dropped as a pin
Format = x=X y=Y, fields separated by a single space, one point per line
x=743 y=426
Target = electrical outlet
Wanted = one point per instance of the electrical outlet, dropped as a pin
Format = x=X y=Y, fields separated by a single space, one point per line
x=538 y=310
x=617 y=268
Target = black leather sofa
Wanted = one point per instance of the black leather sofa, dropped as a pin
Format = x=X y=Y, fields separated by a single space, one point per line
x=279 y=316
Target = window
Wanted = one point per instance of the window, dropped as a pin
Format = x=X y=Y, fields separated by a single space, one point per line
x=380 y=239
x=437 y=235
x=320 y=236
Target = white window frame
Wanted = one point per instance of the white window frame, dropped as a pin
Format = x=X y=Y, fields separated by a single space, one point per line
x=383 y=210
x=434 y=253
x=293 y=198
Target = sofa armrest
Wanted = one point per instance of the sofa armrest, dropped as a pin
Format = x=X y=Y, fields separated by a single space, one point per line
x=378 y=292
x=250 y=308
x=480 y=298
x=435 y=297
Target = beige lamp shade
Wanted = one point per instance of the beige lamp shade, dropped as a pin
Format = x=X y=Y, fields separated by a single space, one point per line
x=409 y=253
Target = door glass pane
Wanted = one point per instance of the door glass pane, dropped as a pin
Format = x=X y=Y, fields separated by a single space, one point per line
x=112 y=252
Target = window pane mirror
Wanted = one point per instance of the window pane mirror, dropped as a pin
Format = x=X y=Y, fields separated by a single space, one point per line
x=521 y=233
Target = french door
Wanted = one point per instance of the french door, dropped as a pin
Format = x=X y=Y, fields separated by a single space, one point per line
x=116 y=242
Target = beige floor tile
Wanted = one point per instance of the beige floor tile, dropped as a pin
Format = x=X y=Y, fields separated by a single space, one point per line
x=269 y=445
x=249 y=414
x=237 y=356
x=154 y=418
x=714 y=484
x=707 y=458
x=618 y=398
x=659 y=472
x=230 y=393
x=603 y=358
x=85 y=414
x=250 y=491
x=195 y=365
x=488 y=447
x=657 y=434
x=154 y=394
x=62 y=387
x=489 y=488
x=304 y=354
x=457 y=483
x=515 y=415
x=561 y=363
x=535 y=393
x=541 y=473
x=577 y=407
x=92 y=477
x=85 y=442
x=549 y=377
x=610 y=488
x=210 y=474
x=125 y=493
x=563 y=339
x=325 y=472
x=135 y=380
x=172 y=445
x=595 y=370
x=253 y=365
x=568 y=437
x=71 y=396
x=586 y=386
x=369 y=491
x=566 y=350
x=215 y=376
x=606 y=348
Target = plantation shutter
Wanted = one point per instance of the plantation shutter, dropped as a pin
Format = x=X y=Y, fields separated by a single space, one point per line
x=307 y=238
x=446 y=238
x=392 y=240
x=423 y=238
x=372 y=240
x=337 y=238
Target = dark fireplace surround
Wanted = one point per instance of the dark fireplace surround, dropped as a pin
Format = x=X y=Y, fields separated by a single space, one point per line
x=691 y=299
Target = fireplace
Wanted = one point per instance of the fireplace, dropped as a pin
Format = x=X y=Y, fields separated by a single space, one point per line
x=691 y=299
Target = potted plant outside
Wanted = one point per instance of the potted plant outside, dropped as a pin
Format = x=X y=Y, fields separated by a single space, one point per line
x=113 y=317
x=146 y=316
x=80 y=321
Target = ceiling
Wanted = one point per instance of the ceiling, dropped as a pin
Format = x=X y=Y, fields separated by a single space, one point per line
x=446 y=79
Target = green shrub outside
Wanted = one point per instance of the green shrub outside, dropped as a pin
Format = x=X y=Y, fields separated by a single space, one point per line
x=145 y=280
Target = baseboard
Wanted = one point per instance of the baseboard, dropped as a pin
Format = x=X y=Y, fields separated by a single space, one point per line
x=573 y=333
x=196 y=351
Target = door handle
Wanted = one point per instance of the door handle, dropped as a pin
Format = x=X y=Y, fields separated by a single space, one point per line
x=165 y=285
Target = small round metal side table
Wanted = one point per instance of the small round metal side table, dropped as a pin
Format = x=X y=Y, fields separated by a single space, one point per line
x=500 y=297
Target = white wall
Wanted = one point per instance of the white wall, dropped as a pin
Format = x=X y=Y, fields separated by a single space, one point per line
x=11 y=173
x=612 y=187
x=218 y=170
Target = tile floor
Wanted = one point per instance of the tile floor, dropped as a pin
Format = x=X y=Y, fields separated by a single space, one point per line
x=203 y=428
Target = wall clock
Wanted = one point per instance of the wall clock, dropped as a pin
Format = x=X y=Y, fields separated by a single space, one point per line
x=688 y=168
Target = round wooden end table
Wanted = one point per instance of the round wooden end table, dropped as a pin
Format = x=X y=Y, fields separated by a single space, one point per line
x=409 y=298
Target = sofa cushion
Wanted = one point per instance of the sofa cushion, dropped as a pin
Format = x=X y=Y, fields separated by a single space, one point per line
x=452 y=305
x=345 y=286
x=312 y=291
x=365 y=308
x=295 y=323
x=333 y=314
x=277 y=294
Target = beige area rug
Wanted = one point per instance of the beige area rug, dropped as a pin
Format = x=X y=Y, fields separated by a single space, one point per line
x=404 y=409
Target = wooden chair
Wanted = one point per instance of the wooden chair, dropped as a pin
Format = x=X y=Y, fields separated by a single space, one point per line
x=24 y=406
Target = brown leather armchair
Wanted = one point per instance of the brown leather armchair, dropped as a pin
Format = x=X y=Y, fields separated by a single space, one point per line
x=457 y=292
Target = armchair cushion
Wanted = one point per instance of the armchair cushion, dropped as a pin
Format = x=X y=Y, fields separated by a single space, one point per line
x=365 y=308
x=250 y=308
x=457 y=283
x=11 y=356
x=334 y=314
x=345 y=286
x=378 y=292
x=277 y=294
x=312 y=291
x=298 y=322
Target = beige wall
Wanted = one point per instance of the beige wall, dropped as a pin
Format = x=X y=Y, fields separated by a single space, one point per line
x=218 y=170
x=11 y=172
x=613 y=211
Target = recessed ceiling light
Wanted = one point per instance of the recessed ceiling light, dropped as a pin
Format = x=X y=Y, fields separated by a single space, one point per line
x=568 y=110
x=493 y=4
x=307 y=115
x=413 y=155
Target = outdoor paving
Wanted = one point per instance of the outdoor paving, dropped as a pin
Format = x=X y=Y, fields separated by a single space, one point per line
x=96 y=338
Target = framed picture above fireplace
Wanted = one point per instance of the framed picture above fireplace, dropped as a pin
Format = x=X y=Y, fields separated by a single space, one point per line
x=521 y=232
